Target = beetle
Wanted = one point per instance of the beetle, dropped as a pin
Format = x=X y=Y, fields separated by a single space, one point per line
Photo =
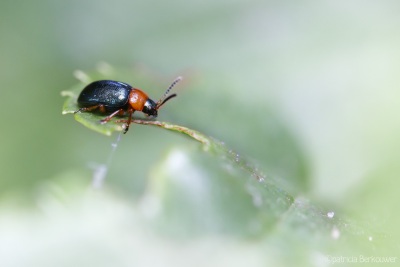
x=117 y=98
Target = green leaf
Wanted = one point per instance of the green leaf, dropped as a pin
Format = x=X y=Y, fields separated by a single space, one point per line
x=88 y=119
x=220 y=193
x=92 y=119
x=225 y=197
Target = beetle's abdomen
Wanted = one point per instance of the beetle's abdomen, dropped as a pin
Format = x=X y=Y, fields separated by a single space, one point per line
x=112 y=95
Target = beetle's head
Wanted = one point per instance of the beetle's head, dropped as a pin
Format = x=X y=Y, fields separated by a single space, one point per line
x=150 y=108
x=140 y=101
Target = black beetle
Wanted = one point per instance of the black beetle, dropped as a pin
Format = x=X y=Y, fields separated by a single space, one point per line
x=118 y=98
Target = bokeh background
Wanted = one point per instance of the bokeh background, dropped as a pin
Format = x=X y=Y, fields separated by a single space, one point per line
x=306 y=91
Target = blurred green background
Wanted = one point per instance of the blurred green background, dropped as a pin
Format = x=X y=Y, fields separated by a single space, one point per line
x=306 y=91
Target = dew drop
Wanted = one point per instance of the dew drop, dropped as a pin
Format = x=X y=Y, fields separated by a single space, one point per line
x=330 y=214
x=237 y=158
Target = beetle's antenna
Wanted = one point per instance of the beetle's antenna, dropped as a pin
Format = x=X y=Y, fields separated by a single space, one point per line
x=165 y=97
x=178 y=79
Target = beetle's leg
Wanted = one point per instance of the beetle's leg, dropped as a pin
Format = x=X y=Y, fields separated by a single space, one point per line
x=130 y=112
x=108 y=118
x=100 y=107
x=89 y=108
